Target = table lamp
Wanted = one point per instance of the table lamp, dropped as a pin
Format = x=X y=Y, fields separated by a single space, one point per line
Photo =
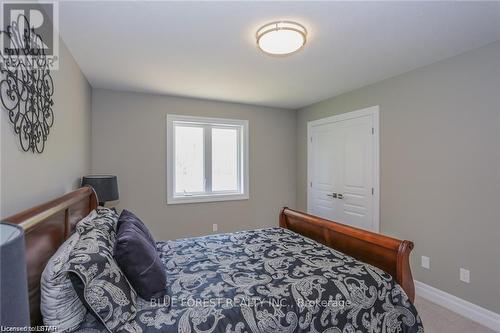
x=14 y=303
x=105 y=186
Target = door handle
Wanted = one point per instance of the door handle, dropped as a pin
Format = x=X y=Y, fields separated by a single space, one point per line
x=333 y=195
x=340 y=196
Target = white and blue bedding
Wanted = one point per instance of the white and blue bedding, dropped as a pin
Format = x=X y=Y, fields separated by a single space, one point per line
x=269 y=281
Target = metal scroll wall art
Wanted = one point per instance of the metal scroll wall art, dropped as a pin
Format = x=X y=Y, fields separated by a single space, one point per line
x=26 y=86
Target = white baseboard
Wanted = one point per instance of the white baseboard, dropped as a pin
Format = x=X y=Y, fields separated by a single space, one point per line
x=464 y=308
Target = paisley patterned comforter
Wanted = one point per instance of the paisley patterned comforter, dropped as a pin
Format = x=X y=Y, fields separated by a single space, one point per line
x=270 y=281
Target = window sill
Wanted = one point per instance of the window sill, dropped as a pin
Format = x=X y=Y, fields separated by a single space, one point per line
x=206 y=198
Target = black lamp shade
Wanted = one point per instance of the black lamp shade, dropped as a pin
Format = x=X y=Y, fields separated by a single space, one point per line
x=14 y=304
x=105 y=186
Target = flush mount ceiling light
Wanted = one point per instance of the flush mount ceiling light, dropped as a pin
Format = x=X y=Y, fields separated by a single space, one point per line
x=281 y=37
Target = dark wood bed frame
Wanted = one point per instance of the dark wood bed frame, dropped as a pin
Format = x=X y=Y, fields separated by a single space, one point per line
x=48 y=225
x=389 y=254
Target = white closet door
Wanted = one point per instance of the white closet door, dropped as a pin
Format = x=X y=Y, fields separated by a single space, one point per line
x=355 y=172
x=342 y=169
x=324 y=179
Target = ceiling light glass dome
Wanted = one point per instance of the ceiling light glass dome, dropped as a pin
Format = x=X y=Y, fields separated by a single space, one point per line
x=281 y=37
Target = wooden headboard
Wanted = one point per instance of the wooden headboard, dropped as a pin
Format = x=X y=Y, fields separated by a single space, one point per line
x=387 y=253
x=46 y=227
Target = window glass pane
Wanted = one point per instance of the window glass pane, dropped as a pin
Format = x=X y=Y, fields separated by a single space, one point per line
x=189 y=154
x=224 y=159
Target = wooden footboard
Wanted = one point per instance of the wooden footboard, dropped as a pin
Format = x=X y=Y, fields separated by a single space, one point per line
x=387 y=253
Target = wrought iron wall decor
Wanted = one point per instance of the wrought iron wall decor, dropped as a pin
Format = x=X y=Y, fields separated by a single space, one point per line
x=26 y=86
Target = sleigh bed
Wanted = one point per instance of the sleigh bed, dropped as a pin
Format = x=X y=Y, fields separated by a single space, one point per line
x=304 y=261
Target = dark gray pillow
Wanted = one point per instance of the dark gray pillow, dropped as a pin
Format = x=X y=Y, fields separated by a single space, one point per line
x=140 y=262
x=96 y=277
x=128 y=217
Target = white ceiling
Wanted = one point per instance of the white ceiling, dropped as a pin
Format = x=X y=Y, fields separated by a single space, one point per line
x=207 y=49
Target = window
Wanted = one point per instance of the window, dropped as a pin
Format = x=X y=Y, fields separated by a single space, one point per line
x=207 y=159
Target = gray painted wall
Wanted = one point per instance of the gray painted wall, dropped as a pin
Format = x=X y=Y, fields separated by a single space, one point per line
x=440 y=167
x=128 y=139
x=29 y=179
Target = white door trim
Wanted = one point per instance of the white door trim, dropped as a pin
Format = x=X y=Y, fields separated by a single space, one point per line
x=370 y=111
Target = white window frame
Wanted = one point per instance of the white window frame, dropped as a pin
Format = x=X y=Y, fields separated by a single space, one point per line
x=242 y=193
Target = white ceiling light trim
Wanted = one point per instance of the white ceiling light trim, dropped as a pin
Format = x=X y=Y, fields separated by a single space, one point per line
x=281 y=38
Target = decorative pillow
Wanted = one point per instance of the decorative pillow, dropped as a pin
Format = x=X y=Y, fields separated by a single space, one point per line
x=129 y=217
x=59 y=303
x=97 y=278
x=140 y=262
x=104 y=218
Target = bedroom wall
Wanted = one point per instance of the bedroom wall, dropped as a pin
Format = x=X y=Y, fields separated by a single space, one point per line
x=440 y=167
x=128 y=139
x=28 y=179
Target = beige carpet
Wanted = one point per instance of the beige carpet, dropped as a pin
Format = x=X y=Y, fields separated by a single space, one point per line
x=437 y=319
